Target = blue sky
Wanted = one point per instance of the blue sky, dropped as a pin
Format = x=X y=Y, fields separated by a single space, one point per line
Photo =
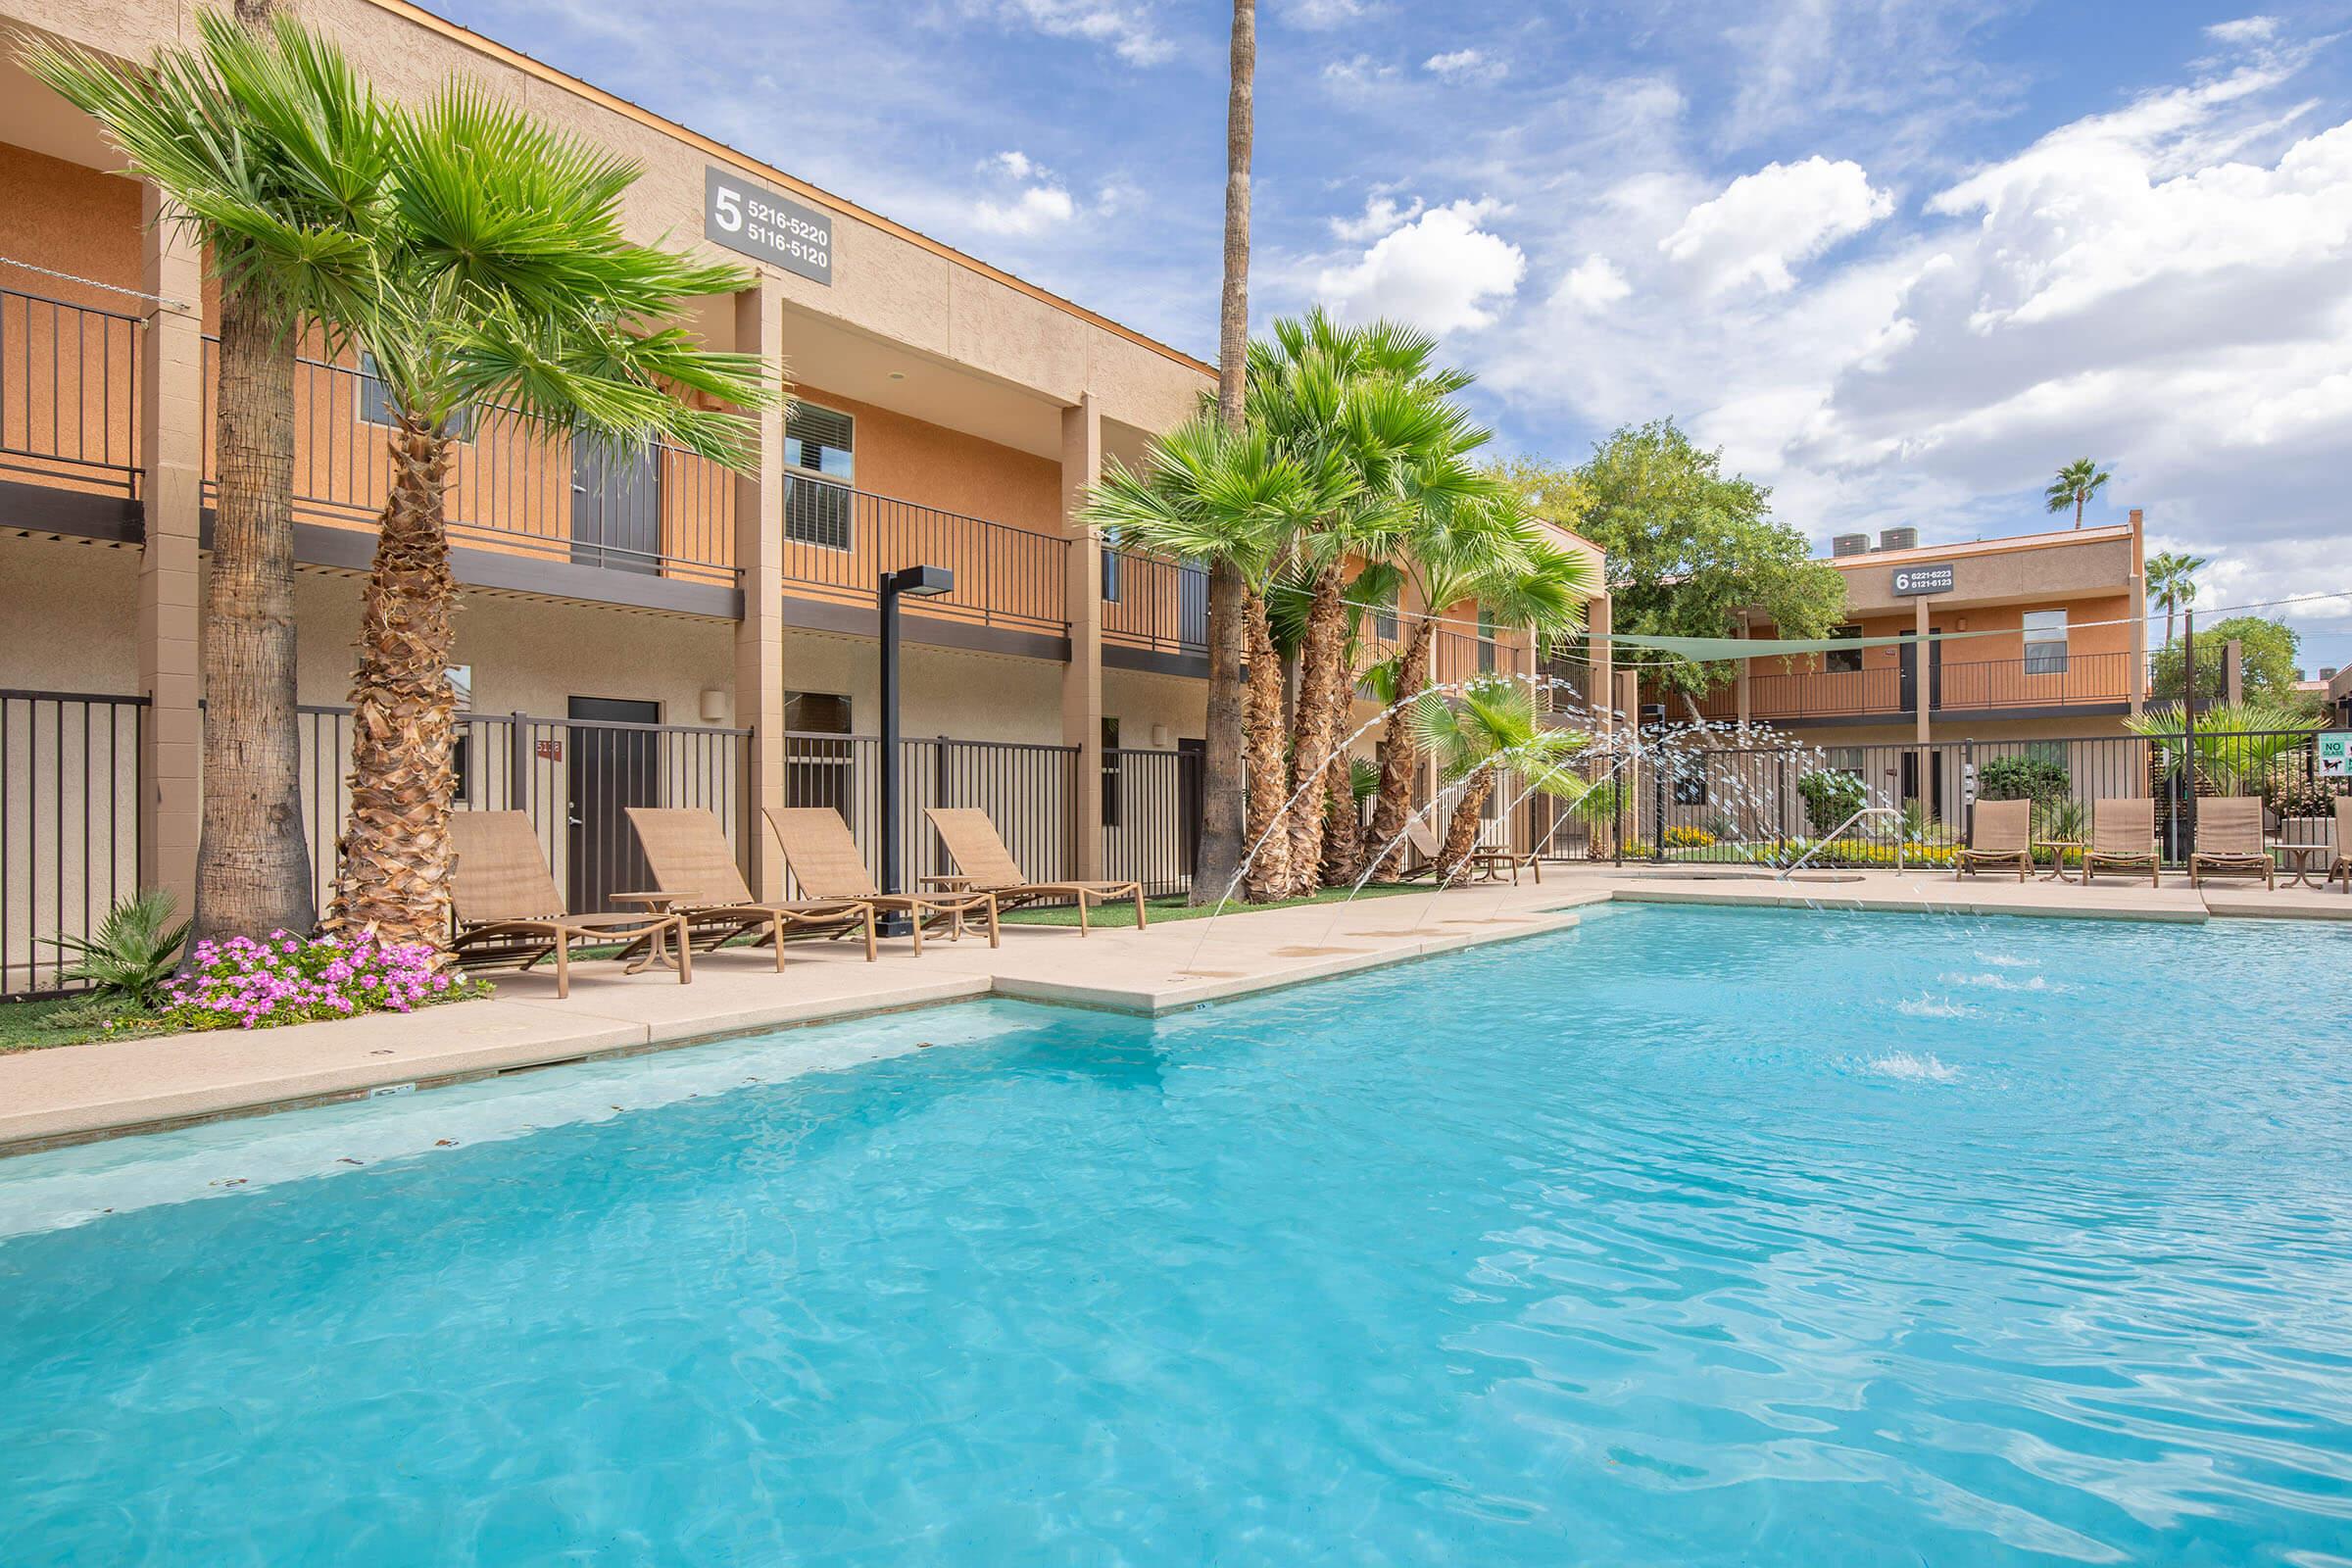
x=1897 y=258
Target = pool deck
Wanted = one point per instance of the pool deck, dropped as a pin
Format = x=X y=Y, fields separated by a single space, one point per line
x=73 y=1093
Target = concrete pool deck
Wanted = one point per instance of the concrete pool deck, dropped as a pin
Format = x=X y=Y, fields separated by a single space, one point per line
x=71 y=1093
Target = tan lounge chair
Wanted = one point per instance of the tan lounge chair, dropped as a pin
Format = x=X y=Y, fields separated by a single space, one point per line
x=688 y=853
x=825 y=863
x=2230 y=841
x=2001 y=835
x=2123 y=838
x=1483 y=858
x=2341 y=865
x=987 y=866
x=508 y=913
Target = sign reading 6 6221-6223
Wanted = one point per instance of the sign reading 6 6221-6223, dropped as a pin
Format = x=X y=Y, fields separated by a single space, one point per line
x=770 y=227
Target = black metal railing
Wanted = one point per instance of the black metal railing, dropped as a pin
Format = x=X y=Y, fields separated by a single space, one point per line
x=2049 y=681
x=1027 y=790
x=1151 y=602
x=70 y=784
x=514 y=484
x=839 y=541
x=69 y=394
x=1151 y=818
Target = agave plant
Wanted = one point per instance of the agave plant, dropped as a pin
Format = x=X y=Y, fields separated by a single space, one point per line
x=132 y=954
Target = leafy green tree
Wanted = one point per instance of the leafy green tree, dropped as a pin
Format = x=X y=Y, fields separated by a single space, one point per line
x=2268 y=649
x=1688 y=546
x=2076 y=483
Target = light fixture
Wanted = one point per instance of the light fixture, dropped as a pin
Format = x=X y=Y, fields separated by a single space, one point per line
x=1159 y=737
x=921 y=582
x=714 y=706
x=898 y=375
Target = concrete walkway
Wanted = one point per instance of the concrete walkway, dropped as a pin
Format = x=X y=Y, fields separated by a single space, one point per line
x=71 y=1093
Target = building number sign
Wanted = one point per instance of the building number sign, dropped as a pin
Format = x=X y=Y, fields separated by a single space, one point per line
x=766 y=227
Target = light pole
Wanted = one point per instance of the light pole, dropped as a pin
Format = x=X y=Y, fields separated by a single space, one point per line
x=921 y=582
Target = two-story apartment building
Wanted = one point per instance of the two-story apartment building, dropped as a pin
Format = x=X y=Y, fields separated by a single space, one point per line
x=642 y=628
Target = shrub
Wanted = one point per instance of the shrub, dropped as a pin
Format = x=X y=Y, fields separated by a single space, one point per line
x=1688 y=838
x=2021 y=778
x=1830 y=796
x=243 y=983
x=129 y=958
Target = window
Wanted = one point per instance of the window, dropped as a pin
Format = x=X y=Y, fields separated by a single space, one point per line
x=375 y=401
x=1843 y=760
x=1690 y=784
x=2045 y=642
x=818 y=445
x=1384 y=615
x=2054 y=753
x=1111 y=575
x=1486 y=641
x=818 y=768
x=1110 y=772
x=461 y=748
x=1843 y=661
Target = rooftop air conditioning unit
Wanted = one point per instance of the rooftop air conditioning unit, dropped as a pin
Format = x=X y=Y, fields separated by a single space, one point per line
x=2327 y=672
x=1850 y=544
x=1898 y=539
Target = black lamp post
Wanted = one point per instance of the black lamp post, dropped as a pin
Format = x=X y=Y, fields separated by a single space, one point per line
x=921 y=582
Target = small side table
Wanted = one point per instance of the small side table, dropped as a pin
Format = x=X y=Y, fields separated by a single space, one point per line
x=2058 y=848
x=2300 y=862
x=656 y=947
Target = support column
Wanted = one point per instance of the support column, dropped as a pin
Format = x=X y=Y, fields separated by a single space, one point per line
x=2234 y=672
x=1747 y=708
x=1082 y=676
x=171 y=488
x=2138 y=674
x=1599 y=623
x=760 y=568
x=1923 y=694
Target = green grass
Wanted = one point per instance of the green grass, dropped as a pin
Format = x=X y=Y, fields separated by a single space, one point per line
x=1174 y=907
x=35 y=1025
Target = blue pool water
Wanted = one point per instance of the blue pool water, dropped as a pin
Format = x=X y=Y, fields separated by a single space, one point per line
x=1704 y=1237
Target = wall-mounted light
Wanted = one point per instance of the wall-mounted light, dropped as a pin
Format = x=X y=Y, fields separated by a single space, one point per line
x=714 y=706
x=1159 y=737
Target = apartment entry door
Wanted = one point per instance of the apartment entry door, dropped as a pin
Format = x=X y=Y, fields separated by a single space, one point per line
x=607 y=771
x=1910 y=652
x=615 y=506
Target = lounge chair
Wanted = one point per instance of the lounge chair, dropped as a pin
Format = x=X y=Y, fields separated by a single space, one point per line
x=985 y=865
x=1483 y=858
x=2000 y=835
x=687 y=852
x=2123 y=838
x=508 y=913
x=825 y=863
x=2341 y=865
x=2230 y=841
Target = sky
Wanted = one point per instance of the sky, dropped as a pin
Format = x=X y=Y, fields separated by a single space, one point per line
x=1897 y=259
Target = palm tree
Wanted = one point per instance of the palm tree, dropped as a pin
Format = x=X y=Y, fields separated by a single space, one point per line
x=1224 y=780
x=1210 y=492
x=2235 y=745
x=1489 y=726
x=2077 y=483
x=2172 y=581
x=496 y=276
x=242 y=133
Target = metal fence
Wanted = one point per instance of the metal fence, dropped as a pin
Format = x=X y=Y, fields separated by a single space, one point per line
x=1027 y=790
x=69 y=394
x=837 y=541
x=69 y=825
x=1151 y=602
x=1706 y=802
x=1151 y=818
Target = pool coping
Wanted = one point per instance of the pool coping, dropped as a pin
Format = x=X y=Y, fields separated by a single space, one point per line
x=78 y=1094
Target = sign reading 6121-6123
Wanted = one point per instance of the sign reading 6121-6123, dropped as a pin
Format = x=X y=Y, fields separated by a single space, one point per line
x=768 y=226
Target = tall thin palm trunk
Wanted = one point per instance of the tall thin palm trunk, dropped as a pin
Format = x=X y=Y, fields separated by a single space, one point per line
x=1397 y=752
x=396 y=859
x=1268 y=872
x=252 y=864
x=1461 y=833
x=1343 y=826
x=1322 y=676
x=1226 y=784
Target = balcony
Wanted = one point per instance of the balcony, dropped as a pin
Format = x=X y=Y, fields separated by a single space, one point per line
x=69 y=396
x=839 y=541
x=1974 y=686
x=1155 y=604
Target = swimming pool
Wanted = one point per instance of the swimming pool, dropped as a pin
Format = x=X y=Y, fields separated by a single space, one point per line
x=1688 y=1237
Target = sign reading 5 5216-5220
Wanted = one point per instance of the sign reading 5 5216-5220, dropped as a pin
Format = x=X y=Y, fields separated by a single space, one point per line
x=761 y=224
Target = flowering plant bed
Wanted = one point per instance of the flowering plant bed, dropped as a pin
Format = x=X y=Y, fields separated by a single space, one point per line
x=244 y=984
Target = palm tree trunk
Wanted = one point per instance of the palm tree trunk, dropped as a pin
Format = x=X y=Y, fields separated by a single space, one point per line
x=1343 y=826
x=394 y=882
x=2080 y=498
x=1224 y=780
x=253 y=866
x=1461 y=833
x=1268 y=872
x=1398 y=752
x=1322 y=695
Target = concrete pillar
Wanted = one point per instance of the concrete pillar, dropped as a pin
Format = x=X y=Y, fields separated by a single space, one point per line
x=1082 y=676
x=759 y=564
x=1746 y=698
x=2234 y=672
x=171 y=488
x=1923 y=695
x=2138 y=673
x=1599 y=623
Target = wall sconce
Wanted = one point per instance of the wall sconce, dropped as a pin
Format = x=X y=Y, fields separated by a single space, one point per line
x=714 y=706
x=1160 y=737
x=1964 y=624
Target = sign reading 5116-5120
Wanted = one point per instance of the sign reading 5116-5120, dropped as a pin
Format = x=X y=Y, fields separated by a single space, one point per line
x=770 y=227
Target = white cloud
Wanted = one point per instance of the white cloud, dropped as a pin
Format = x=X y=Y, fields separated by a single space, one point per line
x=1765 y=222
x=1358 y=74
x=2245 y=30
x=1466 y=65
x=1033 y=211
x=1380 y=215
x=1014 y=163
x=1317 y=16
x=1442 y=271
x=1125 y=28
x=1595 y=283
